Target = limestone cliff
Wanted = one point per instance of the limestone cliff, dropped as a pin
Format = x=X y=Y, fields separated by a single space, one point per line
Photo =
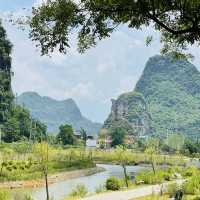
x=169 y=92
x=130 y=112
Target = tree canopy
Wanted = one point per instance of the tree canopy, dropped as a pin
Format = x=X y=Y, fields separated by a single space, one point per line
x=6 y=95
x=66 y=135
x=117 y=135
x=19 y=126
x=54 y=22
x=15 y=121
x=83 y=135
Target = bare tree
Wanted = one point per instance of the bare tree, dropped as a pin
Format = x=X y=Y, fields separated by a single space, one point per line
x=41 y=151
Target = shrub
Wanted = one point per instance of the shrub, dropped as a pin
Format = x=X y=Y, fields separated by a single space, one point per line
x=28 y=197
x=10 y=162
x=191 y=171
x=113 y=183
x=14 y=167
x=148 y=177
x=9 y=168
x=192 y=186
x=196 y=198
x=79 y=191
x=172 y=189
x=21 y=196
x=4 y=195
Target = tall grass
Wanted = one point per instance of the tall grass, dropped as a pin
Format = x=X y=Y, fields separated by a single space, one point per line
x=109 y=156
x=79 y=191
x=192 y=186
x=15 y=168
x=4 y=195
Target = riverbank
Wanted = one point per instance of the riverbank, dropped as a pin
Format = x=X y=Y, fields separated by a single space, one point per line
x=53 y=178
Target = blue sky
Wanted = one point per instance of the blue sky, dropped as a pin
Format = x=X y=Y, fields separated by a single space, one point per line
x=15 y=4
x=91 y=79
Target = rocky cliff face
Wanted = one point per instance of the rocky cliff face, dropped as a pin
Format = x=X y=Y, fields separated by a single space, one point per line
x=130 y=112
x=53 y=113
x=170 y=103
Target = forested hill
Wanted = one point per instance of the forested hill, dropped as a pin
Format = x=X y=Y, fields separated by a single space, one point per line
x=172 y=91
x=54 y=113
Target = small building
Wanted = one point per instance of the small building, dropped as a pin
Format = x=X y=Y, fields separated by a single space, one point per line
x=105 y=142
x=91 y=143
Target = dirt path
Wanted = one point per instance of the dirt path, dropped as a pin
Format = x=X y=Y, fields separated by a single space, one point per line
x=130 y=194
x=62 y=176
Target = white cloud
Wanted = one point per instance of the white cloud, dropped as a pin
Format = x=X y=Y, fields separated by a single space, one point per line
x=105 y=67
x=127 y=84
x=83 y=90
x=91 y=79
x=39 y=2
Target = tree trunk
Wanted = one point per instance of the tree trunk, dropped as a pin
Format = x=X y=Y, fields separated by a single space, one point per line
x=1 y=170
x=125 y=175
x=85 y=142
x=46 y=182
x=153 y=167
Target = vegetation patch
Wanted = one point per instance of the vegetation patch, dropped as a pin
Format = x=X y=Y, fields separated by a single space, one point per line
x=113 y=184
x=79 y=191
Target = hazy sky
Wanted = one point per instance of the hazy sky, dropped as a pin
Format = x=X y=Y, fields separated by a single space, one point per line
x=91 y=79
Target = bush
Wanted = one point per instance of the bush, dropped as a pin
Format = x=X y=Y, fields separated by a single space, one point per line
x=28 y=197
x=4 y=195
x=148 y=177
x=172 y=189
x=196 y=198
x=192 y=186
x=191 y=171
x=21 y=196
x=113 y=184
x=79 y=191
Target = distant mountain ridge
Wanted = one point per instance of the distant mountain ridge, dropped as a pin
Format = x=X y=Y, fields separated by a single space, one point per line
x=53 y=113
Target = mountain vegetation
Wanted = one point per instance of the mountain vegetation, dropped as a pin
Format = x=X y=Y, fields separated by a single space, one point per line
x=53 y=113
x=6 y=95
x=171 y=93
x=15 y=121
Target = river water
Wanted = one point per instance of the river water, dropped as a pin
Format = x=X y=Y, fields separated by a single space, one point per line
x=58 y=191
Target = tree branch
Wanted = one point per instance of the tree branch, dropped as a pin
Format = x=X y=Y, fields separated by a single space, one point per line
x=175 y=32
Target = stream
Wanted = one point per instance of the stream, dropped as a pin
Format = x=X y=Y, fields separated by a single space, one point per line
x=60 y=190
